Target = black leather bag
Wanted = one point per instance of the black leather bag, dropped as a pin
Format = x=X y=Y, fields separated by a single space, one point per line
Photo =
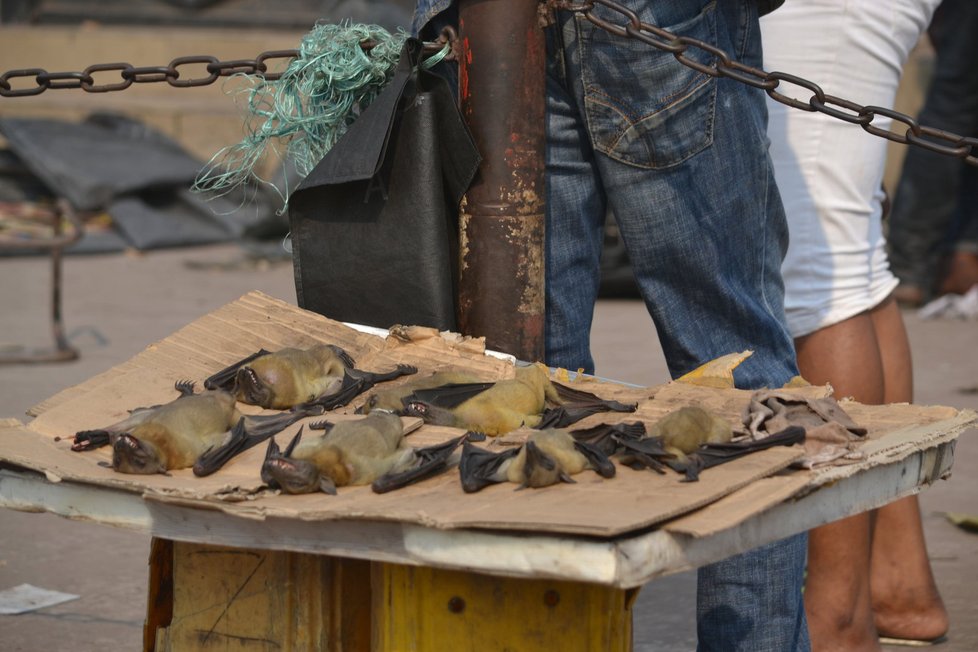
x=375 y=224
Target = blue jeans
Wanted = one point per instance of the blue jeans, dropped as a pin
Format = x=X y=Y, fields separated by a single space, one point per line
x=680 y=159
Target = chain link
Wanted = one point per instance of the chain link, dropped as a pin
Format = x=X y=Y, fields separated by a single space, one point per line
x=934 y=140
x=171 y=74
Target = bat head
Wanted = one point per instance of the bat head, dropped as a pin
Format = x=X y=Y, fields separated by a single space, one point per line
x=132 y=455
x=416 y=409
x=429 y=413
x=294 y=476
x=257 y=386
x=540 y=469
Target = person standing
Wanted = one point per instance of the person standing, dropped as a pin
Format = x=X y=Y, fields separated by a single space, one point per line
x=681 y=160
x=935 y=188
x=868 y=575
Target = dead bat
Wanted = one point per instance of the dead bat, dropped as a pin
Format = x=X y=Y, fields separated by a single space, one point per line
x=192 y=430
x=503 y=406
x=709 y=455
x=700 y=439
x=359 y=452
x=684 y=430
x=323 y=376
x=546 y=458
x=629 y=442
x=392 y=399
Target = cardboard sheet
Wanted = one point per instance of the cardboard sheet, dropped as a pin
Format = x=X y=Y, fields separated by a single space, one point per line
x=633 y=500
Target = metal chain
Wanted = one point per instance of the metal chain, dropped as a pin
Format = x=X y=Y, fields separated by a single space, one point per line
x=171 y=73
x=929 y=138
x=935 y=140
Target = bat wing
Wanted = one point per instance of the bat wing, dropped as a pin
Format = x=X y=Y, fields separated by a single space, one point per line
x=598 y=460
x=371 y=378
x=447 y=396
x=648 y=453
x=427 y=462
x=709 y=455
x=578 y=405
x=355 y=382
x=224 y=379
x=479 y=468
x=247 y=432
x=570 y=395
x=342 y=355
x=87 y=440
x=607 y=437
x=350 y=388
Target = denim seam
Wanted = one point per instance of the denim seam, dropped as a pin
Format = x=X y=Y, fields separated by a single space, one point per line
x=707 y=129
x=593 y=93
x=782 y=323
x=745 y=29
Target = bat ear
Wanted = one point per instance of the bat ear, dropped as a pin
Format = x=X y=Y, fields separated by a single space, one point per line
x=536 y=457
x=273 y=450
x=566 y=478
x=327 y=486
x=292 y=444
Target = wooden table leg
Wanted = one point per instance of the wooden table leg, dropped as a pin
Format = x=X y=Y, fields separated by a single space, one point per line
x=211 y=597
x=429 y=609
x=259 y=599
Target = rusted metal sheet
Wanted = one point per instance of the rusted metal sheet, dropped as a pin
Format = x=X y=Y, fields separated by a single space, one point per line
x=501 y=88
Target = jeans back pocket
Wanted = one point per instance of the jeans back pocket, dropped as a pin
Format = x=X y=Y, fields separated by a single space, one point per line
x=643 y=107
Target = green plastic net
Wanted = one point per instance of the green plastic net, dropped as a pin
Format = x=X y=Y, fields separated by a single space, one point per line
x=301 y=115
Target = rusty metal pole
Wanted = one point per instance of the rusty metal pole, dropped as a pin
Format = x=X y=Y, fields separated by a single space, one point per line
x=501 y=92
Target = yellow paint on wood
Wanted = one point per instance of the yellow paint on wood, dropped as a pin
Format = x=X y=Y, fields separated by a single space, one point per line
x=427 y=609
x=229 y=598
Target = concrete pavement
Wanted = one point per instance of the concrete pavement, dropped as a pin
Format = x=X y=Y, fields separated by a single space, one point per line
x=116 y=305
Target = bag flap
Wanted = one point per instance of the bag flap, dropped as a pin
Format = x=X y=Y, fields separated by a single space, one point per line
x=460 y=157
x=358 y=154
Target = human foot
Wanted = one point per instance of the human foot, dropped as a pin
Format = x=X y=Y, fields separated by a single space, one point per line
x=905 y=599
x=923 y=623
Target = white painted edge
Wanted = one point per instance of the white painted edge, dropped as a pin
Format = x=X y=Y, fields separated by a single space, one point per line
x=622 y=562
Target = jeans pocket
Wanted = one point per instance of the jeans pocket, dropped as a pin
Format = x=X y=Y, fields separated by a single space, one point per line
x=643 y=107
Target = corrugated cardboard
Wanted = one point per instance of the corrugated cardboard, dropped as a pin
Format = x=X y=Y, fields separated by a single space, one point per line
x=633 y=500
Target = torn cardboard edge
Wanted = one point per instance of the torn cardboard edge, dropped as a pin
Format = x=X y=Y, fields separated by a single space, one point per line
x=735 y=508
x=593 y=507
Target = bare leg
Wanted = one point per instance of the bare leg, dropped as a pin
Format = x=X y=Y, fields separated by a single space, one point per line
x=837 y=590
x=871 y=570
x=906 y=602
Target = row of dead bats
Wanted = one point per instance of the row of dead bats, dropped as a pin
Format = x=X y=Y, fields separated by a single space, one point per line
x=205 y=430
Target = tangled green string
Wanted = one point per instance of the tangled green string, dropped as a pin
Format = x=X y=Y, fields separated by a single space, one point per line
x=308 y=108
